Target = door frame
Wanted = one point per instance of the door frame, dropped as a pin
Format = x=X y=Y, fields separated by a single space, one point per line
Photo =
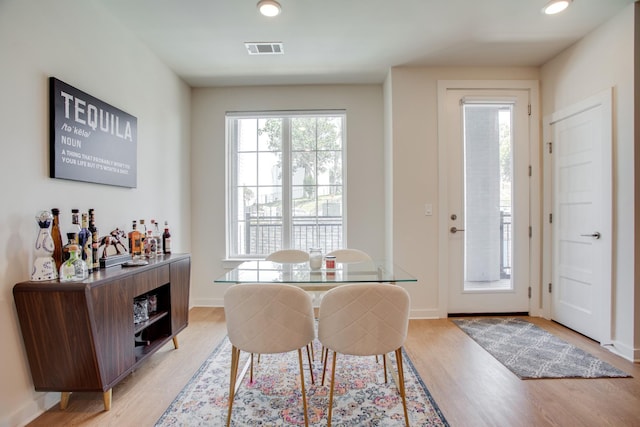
x=535 y=205
x=604 y=99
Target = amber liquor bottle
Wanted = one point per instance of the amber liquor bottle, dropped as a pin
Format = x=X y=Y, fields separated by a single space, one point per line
x=135 y=240
x=56 y=235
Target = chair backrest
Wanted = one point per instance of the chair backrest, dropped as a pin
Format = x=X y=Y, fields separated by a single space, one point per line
x=268 y=318
x=364 y=319
x=346 y=256
x=288 y=255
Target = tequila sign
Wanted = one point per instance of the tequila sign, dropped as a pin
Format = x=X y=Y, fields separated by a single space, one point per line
x=90 y=140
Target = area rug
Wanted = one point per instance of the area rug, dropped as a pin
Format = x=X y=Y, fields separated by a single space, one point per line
x=361 y=397
x=531 y=352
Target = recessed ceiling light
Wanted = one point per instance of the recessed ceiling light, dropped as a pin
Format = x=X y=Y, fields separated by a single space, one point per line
x=556 y=6
x=269 y=7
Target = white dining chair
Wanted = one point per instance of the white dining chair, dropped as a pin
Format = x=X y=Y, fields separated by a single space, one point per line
x=365 y=320
x=346 y=256
x=288 y=256
x=267 y=319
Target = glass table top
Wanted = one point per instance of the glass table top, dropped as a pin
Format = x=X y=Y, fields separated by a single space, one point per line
x=301 y=274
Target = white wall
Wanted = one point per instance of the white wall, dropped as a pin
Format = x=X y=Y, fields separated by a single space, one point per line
x=365 y=167
x=414 y=148
x=78 y=43
x=605 y=59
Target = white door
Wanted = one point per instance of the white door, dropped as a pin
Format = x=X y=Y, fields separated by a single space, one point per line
x=581 y=154
x=487 y=144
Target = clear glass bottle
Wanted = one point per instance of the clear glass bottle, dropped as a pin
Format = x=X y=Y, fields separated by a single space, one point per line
x=150 y=244
x=71 y=240
x=84 y=242
x=158 y=235
x=74 y=268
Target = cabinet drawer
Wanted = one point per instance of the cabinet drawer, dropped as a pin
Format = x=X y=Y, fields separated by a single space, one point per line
x=149 y=280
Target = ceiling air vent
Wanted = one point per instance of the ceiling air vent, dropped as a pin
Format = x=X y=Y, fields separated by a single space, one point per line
x=264 y=48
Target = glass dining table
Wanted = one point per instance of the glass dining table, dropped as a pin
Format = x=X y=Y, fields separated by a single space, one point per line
x=300 y=274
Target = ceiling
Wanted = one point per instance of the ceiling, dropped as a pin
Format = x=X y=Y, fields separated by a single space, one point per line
x=351 y=41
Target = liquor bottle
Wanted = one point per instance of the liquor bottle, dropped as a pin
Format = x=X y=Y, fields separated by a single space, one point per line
x=143 y=232
x=166 y=239
x=135 y=240
x=95 y=239
x=57 y=238
x=84 y=241
x=66 y=249
x=75 y=223
x=74 y=268
x=157 y=235
x=150 y=245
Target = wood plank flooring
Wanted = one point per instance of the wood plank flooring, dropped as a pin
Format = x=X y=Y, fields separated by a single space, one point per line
x=469 y=385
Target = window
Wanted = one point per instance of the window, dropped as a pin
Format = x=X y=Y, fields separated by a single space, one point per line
x=285 y=182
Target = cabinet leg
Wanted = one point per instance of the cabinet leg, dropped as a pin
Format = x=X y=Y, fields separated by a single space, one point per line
x=106 y=397
x=175 y=342
x=64 y=399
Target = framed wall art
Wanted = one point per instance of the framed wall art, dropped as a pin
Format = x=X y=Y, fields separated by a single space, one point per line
x=90 y=140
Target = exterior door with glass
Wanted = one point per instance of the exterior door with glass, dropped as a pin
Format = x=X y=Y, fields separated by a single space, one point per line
x=487 y=143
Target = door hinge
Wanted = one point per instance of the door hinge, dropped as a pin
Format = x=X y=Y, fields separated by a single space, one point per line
x=550 y=145
x=529 y=292
x=530 y=171
x=530 y=231
x=550 y=218
x=529 y=110
x=550 y=287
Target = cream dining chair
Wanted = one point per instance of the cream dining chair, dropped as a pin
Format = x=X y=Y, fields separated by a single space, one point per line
x=288 y=256
x=347 y=256
x=267 y=319
x=365 y=320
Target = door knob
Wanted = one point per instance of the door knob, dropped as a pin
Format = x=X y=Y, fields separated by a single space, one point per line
x=454 y=230
x=595 y=235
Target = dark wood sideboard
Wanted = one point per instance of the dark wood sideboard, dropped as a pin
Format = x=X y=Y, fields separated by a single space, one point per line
x=81 y=336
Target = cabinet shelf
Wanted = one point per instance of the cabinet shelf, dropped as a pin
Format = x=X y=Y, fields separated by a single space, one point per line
x=139 y=327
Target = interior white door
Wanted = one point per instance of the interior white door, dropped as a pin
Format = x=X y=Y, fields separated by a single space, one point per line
x=487 y=143
x=581 y=222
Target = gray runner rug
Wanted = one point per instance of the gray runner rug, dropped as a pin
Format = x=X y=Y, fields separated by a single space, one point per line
x=531 y=352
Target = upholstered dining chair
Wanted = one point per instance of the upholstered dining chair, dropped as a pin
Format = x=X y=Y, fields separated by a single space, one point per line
x=345 y=256
x=267 y=319
x=288 y=255
x=365 y=320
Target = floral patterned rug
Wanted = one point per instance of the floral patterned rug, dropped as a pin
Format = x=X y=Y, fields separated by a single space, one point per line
x=361 y=396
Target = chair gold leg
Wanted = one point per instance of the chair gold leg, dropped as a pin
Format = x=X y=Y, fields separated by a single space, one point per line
x=251 y=372
x=304 y=393
x=235 y=360
x=325 y=356
x=309 y=352
x=403 y=393
x=384 y=364
x=175 y=342
x=333 y=380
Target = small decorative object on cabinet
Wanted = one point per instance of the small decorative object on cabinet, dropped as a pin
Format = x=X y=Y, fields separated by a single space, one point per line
x=44 y=266
x=81 y=336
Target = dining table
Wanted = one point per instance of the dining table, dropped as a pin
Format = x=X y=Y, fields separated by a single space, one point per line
x=323 y=279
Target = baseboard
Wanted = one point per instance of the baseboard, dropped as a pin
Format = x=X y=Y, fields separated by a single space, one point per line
x=425 y=313
x=623 y=350
x=33 y=409
x=207 y=302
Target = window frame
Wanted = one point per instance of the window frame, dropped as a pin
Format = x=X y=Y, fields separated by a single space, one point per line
x=286 y=184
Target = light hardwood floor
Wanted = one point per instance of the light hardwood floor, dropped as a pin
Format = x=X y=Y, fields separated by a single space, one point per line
x=469 y=385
